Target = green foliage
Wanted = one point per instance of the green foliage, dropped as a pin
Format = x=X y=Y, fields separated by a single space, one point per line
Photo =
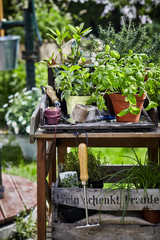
x=94 y=162
x=47 y=14
x=59 y=36
x=25 y=228
x=25 y=168
x=69 y=182
x=133 y=37
x=153 y=84
x=126 y=75
x=74 y=81
x=14 y=81
x=13 y=161
x=10 y=82
x=20 y=107
x=140 y=176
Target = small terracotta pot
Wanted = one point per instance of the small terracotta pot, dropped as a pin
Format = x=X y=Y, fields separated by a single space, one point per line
x=52 y=120
x=152 y=216
x=52 y=115
x=52 y=111
x=119 y=104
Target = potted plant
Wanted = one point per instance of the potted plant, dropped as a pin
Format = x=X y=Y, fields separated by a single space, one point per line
x=125 y=77
x=19 y=109
x=73 y=74
x=70 y=178
x=75 y=85
x=94 y=166
x=141 y=176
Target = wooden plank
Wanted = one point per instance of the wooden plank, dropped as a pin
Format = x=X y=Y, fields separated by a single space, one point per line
x=11 y=204
x=2 y=219
x=34 y=122
x=41 y=189
x=108 y=200
x=112 y=231
x=27 y=191
x=143 y=135
x=101 y=127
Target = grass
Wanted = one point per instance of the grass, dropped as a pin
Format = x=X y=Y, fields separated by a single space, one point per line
x=14 y=163
x=120 y=155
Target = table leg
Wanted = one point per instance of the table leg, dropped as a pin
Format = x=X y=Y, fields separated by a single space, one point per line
x=61 y=154
x=153 y=150
x=41 y=189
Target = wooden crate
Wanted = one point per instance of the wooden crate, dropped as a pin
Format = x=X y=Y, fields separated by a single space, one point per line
x=105 y=199
x=108 y=200
x=107 y=206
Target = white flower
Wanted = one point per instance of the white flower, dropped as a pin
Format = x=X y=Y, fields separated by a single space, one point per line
x=28 y=92
x=11 y=96
x=5 y=105
x=14 y=124
x=105 y=2
x=28 y=129
x=108 y=8
x=20 y=118
x=24 y=122
x=16 y=130
x=35 y=88
x=11 y=100
x=144 y=19
x=16 y=94
x=29 y=97
x=24 y=90
x=129 y=12
x=24 y=103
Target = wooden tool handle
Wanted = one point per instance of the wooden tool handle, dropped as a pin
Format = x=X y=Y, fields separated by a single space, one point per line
x=83 y=161
x=1 y=17
x=51 y=94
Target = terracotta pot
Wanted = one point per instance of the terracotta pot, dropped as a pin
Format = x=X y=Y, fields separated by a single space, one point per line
x=152 y=216
x=119 y=104
x=52 y=115
x=52 y=111
x=109 y=104
x=52 y=120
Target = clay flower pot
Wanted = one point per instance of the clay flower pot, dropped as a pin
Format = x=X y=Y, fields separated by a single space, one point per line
x=152 y=216
x=120 y=104
x=52 y=111
x=52 y=115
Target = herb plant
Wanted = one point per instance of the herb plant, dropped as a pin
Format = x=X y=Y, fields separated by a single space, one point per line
x=94 y=170
x=125 y=75
x=69 y=182
x=59 y=36
x=133 y=37
x=74 y=81
x=140 y=176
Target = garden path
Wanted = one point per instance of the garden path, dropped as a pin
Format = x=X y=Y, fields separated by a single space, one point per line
x=19 y=193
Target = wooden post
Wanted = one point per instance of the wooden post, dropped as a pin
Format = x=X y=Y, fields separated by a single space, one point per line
x=1 y=17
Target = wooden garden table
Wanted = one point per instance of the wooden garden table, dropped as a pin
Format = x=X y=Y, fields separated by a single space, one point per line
x=51 y=146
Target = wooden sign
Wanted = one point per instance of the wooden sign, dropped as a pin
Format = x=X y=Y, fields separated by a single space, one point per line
x=108 y=200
